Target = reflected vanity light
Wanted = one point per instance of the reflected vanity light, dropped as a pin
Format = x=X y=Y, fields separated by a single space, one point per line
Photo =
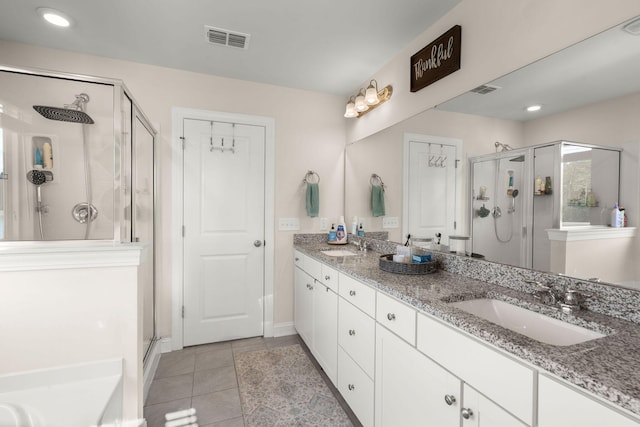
x=54 y=17
x=368 y=100
x=533 y=108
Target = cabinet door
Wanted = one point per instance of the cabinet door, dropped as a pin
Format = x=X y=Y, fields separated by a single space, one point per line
x=325 y=329
x=303 y=300
x=478 y=411
x=560 y=405
x=357 y=335
x=410 y=388
x=356 y=388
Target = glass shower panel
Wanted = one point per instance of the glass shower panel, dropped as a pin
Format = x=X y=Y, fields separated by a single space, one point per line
x=53 y=165
x=590 y=178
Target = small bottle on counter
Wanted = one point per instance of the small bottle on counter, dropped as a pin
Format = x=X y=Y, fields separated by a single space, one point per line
x=360 y=230
x=333 y=234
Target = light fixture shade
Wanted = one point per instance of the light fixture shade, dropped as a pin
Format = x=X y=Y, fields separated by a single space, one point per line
x=361 y=105
x=371 y=96
x=351 y=112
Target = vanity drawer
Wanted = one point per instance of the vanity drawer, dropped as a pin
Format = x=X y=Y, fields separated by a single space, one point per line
x=313 y=267
x=507 y=382
x=329 y=277
x=357 y=335
x=397 y=317
x=356 y=388
x=358 y=294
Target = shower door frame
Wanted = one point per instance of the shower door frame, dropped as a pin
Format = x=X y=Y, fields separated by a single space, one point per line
x=525 y=233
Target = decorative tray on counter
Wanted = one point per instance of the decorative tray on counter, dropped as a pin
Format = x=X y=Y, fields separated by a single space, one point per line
x=387 y=264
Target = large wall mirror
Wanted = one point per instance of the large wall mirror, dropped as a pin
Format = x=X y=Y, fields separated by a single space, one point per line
x=589 y=93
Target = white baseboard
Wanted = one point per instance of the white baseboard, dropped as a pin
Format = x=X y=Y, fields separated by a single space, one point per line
x=284 y=329
x=151 y=364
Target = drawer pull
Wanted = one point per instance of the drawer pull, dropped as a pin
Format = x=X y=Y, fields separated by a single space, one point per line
x=391 y=316
x=327 y=277
x=466 y=413
x=352 y=293
x=450 y=399
x=351 y=387
x=352 y=332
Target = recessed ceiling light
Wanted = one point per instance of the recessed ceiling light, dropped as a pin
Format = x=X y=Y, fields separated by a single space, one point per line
x=55 y=17
x=533 y=108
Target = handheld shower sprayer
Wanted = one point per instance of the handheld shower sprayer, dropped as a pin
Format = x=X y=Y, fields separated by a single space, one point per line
x=514 y=194
x=37 y=178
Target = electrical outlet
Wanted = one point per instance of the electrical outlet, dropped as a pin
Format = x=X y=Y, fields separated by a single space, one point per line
x=324 y=224
x=289 y=224
x=390 y=222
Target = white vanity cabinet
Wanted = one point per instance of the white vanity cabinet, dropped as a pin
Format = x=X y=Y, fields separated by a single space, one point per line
x=410 y=389
x=356 y=346
x=316 y=311
x=561 y=405
x=497 y=376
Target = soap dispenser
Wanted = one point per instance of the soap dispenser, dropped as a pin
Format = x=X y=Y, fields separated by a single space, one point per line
x=341 y=233
x=333 y=234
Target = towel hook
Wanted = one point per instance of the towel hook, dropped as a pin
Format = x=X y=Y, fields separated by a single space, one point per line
x=375 y=179
x=310 y=177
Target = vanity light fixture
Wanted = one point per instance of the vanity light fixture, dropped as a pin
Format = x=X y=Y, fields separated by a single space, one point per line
x=54 y=17
x=366 y=101
x=533 y=108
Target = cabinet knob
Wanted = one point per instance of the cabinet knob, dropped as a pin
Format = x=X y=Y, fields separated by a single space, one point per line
x=352 y=332
x=466 y=413
x=391 y=316
x=327 y=277
x=352 y=293
x=351 y=387
x=450 y=399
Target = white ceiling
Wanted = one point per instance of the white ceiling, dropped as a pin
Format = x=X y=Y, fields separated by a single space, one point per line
x=328 y=46
x=602 y=67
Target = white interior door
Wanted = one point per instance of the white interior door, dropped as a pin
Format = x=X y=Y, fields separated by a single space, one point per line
x=431 y=187
x=224 y=215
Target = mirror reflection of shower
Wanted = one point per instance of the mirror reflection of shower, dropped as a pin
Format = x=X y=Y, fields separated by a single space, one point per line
x=83 y=212
x=510 y=191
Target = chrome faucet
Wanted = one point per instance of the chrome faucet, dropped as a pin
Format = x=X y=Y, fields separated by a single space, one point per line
x=568 y=300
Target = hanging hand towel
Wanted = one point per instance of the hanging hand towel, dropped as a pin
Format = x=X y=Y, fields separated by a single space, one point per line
x=377 y=201
x=313 y=199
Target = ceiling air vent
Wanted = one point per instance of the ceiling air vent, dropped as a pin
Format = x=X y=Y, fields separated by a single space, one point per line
x=485 y=89
x=227 y=38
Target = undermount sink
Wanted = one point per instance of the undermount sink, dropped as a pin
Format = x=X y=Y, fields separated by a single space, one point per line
x=339 y=252
x=531 y=324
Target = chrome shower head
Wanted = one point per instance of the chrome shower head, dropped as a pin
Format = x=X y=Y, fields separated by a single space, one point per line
x=503 y=147
x=64 y=114
x=73 y=112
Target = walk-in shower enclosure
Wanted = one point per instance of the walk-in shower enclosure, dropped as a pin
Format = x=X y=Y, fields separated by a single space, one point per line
x=76 y=163
x=518 y=195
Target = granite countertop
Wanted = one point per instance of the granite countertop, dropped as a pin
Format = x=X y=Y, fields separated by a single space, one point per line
x=607 y=367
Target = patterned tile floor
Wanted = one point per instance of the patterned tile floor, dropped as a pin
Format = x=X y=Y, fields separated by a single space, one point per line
x=204 y=377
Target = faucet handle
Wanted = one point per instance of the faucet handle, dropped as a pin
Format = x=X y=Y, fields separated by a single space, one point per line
x=539 y=285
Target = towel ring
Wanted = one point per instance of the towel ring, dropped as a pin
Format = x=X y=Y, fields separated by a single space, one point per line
x=311 y=178
x=375 y=179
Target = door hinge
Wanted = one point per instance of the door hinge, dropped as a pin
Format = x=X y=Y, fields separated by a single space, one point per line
x=183 y=311
x=455 y=225
x=184 y=230
x=183 y=143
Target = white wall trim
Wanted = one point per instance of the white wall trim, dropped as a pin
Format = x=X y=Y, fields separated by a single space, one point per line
x=284 y=329
x=575 y=234
x=177 y=201
x=149 y=369
x=414 y=137
x=69 y=255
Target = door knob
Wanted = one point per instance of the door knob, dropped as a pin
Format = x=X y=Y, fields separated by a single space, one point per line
x=257 y=243
x=466 y=413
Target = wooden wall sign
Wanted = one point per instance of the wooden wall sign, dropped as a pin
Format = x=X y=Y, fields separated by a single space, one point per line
x=436 y=60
